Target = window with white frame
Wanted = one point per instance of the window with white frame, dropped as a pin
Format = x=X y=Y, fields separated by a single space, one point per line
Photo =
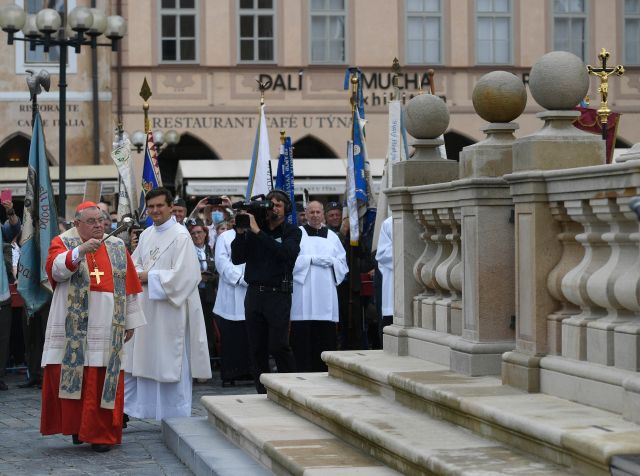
x=632 y=32
x=178 y=31
x=424 y=31
x=493 y=31
x=256 y=25
x=328 y=19
x=570 y=27
x=28 y=59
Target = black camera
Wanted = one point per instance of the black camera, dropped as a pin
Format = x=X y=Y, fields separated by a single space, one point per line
x=258 y=208
x=214 y=200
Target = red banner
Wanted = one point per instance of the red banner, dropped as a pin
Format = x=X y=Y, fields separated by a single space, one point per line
x=589 y=122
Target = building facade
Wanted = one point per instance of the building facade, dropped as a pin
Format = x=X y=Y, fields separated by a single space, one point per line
x=202 y=59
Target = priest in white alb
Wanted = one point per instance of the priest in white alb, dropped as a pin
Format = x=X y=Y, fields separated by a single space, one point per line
x=171 y=349
x=95 y=308
x=321 y=265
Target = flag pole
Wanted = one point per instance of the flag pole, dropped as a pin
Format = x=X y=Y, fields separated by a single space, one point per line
x=353 y=248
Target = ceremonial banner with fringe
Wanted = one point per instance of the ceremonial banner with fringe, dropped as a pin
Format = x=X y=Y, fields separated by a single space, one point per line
x=284 y=176
x=40 y=225
x=150 y=177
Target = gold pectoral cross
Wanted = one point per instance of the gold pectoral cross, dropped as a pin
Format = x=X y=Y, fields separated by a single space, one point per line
x=97 y=273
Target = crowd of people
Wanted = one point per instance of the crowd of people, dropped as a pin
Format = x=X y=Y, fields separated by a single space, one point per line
x=133 y=322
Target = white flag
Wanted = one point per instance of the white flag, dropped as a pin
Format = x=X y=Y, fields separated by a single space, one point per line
x=259 y=175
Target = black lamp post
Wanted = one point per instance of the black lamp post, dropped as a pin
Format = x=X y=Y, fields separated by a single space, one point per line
x=84 y=26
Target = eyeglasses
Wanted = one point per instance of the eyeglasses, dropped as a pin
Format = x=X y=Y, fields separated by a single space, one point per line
x=197 y=232
x=92 y=221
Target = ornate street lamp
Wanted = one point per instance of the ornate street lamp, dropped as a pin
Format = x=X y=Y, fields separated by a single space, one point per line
x=84 y=26
x=160 y=139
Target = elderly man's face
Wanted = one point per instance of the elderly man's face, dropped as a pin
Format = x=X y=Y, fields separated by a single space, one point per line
x=90 y=224
x=314 y=214
x=179 y=212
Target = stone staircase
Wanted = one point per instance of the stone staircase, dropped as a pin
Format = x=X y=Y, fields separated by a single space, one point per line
x=377 y=413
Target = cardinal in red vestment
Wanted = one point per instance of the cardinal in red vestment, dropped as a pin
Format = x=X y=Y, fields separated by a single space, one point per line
x=94 y=310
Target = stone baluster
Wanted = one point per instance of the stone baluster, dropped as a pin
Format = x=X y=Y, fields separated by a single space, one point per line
x=441 y=251
x=448 y=316
x=601 y=284
x=572 y=254
x=429 y=250
x=627 y=292
x=574 y=283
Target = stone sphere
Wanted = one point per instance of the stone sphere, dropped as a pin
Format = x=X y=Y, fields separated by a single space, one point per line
x=426 y=116
x=499 y=96
x=559 y=81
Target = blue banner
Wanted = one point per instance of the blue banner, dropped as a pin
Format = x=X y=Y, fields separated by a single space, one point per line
x=284 y=177
x=40 y=225
x=150 y=177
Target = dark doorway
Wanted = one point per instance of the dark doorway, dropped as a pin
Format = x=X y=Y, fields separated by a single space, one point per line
x=14 y=152
x=189 y=148
x=311 y=148
x=454 y=143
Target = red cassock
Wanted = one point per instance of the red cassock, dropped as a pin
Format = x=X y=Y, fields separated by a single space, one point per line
x=85 y=417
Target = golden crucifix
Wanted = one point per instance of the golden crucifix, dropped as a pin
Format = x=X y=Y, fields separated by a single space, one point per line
x=96 y=273
x=603 y=73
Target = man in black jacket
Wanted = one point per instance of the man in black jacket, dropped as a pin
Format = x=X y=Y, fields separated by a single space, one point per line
x=270 y=254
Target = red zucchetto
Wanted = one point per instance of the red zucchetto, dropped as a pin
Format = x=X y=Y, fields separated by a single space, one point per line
x=85 y=205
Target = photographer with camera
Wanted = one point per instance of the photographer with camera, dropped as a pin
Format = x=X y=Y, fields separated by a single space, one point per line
x=269 y=246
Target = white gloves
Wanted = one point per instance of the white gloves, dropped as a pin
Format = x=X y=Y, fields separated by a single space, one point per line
x=322 y=262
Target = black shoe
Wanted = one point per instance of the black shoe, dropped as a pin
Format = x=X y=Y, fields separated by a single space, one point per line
x=31 y=383
x=125 y=420
x=228 y=383
x=76 y=440
x=98 y=448
x=3 y=386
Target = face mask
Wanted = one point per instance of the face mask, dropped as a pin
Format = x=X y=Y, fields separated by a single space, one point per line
x=217 y=217
x=114 y=226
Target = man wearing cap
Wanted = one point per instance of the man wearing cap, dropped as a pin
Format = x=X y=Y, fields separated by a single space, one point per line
x=333 y=216
x=179 y=210
x=94 y=310
x=321 y=265
x=171 y=350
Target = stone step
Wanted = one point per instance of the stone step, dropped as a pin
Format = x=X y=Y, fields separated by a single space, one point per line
x=404 y=439
x=205 y=450
x=560 y=431
x=284 y=442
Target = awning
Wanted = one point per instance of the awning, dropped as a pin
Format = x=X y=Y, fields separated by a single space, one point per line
x=229 y=177
x=15 y=179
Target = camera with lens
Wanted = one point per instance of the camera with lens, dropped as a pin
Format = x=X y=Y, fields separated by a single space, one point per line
x=258 y=208
x=214 y=201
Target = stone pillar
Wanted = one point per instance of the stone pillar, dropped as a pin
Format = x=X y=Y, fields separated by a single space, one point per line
x=426 y=119
x=558 y=82
x=488 y=292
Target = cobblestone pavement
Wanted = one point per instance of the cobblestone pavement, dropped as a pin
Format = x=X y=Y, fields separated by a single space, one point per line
x=24 y=451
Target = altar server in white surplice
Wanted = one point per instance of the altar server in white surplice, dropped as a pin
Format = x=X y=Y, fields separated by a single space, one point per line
x=384 y=257
x=163 y=360
x=320 y=267
x=235 y=360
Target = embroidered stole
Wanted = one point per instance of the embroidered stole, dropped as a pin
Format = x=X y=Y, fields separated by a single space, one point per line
x=77 y=321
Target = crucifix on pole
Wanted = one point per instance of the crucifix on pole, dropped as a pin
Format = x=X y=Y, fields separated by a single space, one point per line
x=603 y=73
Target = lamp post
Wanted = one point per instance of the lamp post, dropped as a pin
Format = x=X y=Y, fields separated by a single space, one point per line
x=160 y=139
x=84 y=26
